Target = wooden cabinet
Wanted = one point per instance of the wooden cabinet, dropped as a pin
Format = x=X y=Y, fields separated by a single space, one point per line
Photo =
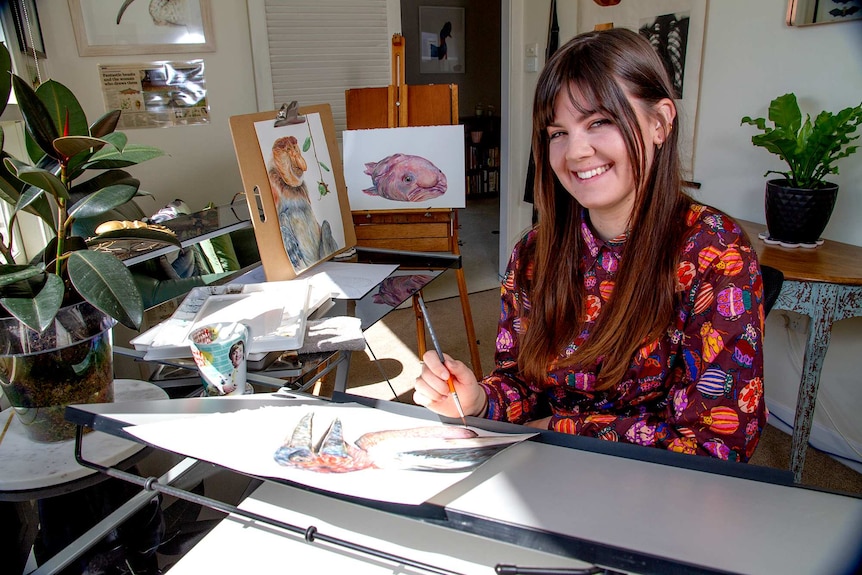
x=482 y=155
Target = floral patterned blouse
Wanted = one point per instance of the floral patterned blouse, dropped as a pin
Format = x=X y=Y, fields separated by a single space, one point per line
x=697 y=390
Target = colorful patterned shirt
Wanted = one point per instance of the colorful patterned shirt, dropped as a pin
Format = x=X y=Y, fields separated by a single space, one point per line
x=698 y=389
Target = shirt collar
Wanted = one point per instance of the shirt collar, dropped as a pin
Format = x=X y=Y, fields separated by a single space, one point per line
x=595 y=244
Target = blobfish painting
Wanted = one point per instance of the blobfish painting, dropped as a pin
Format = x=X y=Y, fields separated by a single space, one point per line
x=405 y=178
x=405 y=168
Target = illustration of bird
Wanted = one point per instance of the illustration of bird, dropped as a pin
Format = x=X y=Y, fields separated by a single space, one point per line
x=163 y=12
x=441 y=51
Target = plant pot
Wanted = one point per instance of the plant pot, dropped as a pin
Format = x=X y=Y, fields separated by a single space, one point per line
x=798 y=215
x=70 y=362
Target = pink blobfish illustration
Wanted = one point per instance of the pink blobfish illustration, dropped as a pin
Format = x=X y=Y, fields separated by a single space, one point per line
x=405 y=178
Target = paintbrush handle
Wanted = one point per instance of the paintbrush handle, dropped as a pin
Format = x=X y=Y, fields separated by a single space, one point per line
x=433 y=335
x=436 y=343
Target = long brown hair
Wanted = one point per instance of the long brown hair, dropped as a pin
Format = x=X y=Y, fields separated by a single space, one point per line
x=601 y=67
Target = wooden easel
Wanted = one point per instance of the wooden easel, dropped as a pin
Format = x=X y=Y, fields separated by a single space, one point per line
x=430 y=230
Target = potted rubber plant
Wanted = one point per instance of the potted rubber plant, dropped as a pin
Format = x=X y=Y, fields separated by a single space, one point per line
x=58 y=309
x=799 y=204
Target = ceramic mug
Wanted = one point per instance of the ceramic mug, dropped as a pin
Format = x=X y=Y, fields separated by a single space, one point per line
x=220 y=352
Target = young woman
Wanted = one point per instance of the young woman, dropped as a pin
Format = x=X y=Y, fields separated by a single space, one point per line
x=629 y=312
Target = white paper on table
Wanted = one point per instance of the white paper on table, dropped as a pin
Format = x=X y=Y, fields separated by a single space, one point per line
x=246 y=441
x=348 y=280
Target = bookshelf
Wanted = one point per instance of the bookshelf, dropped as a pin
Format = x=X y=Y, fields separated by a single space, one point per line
x=482 y=155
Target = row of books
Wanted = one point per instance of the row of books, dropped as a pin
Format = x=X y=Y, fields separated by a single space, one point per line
x=479 y=157
x=483 y=182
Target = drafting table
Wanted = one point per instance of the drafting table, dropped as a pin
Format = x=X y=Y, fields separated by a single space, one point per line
x=585 y=501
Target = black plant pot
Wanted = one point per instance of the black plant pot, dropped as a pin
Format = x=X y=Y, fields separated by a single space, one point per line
x=798 y=215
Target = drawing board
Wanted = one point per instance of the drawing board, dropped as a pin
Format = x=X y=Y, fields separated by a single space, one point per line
x=294 y=184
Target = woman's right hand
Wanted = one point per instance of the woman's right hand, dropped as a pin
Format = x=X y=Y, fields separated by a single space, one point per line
x=432 y=387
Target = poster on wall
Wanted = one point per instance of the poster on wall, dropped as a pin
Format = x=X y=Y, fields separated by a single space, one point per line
x=441 y=31
x=156 y=94
x=402 y=168
x=675 y=28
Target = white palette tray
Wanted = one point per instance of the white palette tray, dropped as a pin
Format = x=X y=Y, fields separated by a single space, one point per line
x=275 y=313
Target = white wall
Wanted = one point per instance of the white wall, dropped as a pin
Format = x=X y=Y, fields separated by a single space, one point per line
x=201 y=165
x=749 y=57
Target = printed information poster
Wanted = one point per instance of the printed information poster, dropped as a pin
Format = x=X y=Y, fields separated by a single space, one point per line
x=157 y=94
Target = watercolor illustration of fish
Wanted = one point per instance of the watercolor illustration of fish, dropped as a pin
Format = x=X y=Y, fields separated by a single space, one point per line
x=405 y=178
x=430 y=448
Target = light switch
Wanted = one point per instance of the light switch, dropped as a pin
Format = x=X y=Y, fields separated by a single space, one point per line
x=531 y=50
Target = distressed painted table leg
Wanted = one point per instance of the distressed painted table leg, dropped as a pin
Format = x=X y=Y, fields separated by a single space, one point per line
x=824 y=303
x=822 y=311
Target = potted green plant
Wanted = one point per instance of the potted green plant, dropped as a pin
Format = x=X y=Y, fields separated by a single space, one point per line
x=799 y=204
x=57 y=310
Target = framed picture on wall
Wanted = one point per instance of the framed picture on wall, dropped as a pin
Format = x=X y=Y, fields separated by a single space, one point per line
x=142 y=27
x=441 y=31
x=27 y=27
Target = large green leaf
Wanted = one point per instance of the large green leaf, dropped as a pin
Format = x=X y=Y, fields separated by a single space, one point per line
x=10 y=274
x=40 y=126
x=102 y=180
x=69 y=146
x=104 y=281
x=5 y=77
x=103 y=200
x=60 y=101
x=10 y=186
x=105 y=125
x=37 y=177
x=109 y=158
x=785 y=114
x=39 y=311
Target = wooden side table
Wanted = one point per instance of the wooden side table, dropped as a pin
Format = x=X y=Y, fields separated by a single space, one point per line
x=824 y=283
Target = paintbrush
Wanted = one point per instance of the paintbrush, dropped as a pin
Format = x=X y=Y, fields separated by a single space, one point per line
x=436 y=343
x=8 y=421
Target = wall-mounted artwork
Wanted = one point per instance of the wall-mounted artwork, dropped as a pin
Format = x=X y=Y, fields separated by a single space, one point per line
x=668 y=34
x=142 y=27
x=676 y=29
x=442 y=45
x=293 y=180
x=405 y=168
x=806 y=12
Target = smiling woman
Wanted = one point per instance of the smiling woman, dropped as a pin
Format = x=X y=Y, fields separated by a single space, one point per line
x=629 y=312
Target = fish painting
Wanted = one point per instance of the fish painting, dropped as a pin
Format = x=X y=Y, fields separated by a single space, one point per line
x=405 y=178
x=430 y=448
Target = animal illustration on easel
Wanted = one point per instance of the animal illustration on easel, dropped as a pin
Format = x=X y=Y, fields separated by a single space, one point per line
x=405 y=178
x=306 y=240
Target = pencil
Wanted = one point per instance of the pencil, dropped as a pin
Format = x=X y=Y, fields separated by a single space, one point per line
x=436 y=343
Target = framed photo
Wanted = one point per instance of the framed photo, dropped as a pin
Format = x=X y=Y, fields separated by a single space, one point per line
x=807 y=12
x=27 y=27
x=441 y=31
x=293 y=180
x=142 y=27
